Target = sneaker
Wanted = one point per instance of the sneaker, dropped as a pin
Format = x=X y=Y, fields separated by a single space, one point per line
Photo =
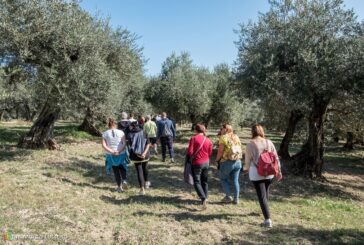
x=204 y=204
x=236 y=201
x=147 y=184
x=142 y=192
x=227 y=199
x=267 y=223
x=172 y=160
x=163 y=160
x=119 y=190
x=125 y=185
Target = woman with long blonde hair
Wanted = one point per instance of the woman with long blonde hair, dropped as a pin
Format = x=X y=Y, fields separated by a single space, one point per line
x=228 y=157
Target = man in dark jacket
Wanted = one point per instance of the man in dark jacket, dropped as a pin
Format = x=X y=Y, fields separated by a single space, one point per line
x=166 y=133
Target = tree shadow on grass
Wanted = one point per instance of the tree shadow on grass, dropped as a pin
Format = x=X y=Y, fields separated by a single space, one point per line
x=296 y=234
x=11 y=135
x=148 y=200
x=195 y=216
x=80 y=184
x=11 y=153
x=294 y=186
x=171 y=180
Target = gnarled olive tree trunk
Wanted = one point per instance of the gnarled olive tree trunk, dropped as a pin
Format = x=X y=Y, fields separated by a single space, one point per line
x=88 y=124
x=41 y=133
x=309 y=161
x=294 y=118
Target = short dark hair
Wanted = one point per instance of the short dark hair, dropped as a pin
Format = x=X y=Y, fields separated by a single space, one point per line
x=134 y=124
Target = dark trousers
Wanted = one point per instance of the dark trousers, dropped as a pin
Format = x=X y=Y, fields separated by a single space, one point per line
x=142 y=172
x=120 y=173
x=200 y=176
x=262 y=188
x=167 y=141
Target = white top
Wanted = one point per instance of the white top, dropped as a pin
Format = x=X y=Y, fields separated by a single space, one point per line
x=252 y=154
x=113 y=139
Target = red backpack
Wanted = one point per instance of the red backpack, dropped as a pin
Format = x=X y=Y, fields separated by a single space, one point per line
x=267 y=162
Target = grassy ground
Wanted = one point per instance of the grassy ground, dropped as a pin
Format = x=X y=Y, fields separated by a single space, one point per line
x=67 y=193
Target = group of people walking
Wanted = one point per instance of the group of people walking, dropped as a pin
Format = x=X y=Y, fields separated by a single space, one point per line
x=130 y=140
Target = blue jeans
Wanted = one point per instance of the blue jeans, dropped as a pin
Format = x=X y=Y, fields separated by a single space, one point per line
x=230 y=169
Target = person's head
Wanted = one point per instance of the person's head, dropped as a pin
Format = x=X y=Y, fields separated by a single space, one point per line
x=124 y=115
x=164 y=115
x=257 y=131
x=134 y=125
x=111 y=123
x=200 y=128
x=226 y=129
x=147 y=118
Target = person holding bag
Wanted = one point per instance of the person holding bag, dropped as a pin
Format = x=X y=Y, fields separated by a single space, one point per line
x=228 y=158
x=262 y=163
x=199 y=152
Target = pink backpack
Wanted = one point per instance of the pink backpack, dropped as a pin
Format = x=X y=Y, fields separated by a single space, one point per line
x=267 y=162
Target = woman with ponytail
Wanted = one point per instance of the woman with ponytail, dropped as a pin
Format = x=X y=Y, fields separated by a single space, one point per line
x=113 y=142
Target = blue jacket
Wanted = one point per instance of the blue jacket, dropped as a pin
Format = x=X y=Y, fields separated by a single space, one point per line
x=168 y=123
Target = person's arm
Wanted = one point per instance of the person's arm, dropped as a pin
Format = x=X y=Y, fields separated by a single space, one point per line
x=210 y=148
x=124 y=142
x=279 y=176
x=190 y=148
x=108 y=149
x=248 y=157
x=173 y=130
x=159 y=130
x=219 y=152
x=145 y=151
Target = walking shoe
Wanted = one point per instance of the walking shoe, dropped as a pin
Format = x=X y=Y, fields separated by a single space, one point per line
x=227 y=199
x=236 y=201
x=267 y=223
x=142 y=192
x=204 y=204
x=125 y=185
x=119 y=190
x=147 y=184
x=163 y=160
x=172 y=160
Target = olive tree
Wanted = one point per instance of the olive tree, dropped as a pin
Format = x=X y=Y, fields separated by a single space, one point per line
x=75 y=59
x=307 y=53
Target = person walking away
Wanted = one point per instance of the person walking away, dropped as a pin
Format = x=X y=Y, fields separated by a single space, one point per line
x=166 y=133
x=131 y=118
x=141 y=121
x=228 y=157
x=124 y=123
x=200 y=150
x=139 y=154
x=258 y=144
x=150 y=130
x=113 y=142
